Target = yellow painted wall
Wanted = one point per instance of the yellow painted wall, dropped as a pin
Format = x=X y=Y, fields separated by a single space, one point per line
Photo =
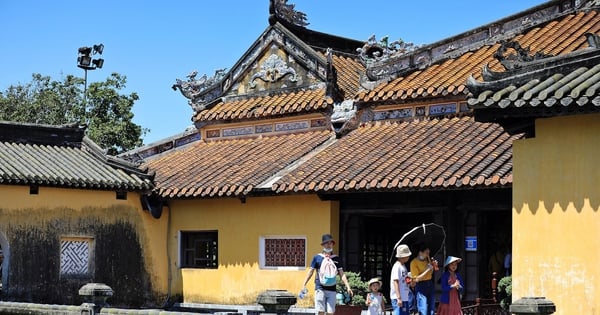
x=239 y=279
x=19 y=207
x=556 y=214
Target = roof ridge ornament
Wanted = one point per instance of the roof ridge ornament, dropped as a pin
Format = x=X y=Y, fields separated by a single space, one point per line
x=281 y=10
x=380 y=50
x=582 y=4
x=593 y=39
x=519 y=57
x=196 y=89
x=519 y=72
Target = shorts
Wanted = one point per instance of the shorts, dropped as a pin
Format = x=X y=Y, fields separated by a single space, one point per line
x=325 y=301
x=400 y=310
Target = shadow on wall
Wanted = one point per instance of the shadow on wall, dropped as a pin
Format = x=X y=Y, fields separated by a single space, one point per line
x=35 y=264
x=561 y=205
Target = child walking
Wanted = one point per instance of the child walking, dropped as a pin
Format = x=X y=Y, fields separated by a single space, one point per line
x=452 y=285
x=398 y=286
x=375 y=298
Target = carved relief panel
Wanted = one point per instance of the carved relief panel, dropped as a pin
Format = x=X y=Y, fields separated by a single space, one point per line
x=274 y=70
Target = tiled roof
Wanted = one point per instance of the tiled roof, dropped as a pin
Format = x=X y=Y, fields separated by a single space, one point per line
x=427 y=154
x=300 y=102
x=349 y=70
x=448 y=77
x=579 y=87
x=230 y=167
x=32 y=155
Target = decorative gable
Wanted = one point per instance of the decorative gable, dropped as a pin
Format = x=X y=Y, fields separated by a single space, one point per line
x=278 y=61
x=279 y=64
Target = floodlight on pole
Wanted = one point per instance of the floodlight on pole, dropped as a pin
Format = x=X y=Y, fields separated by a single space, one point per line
x=85 y=61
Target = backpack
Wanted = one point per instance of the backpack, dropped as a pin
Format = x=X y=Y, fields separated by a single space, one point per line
x=328 y=271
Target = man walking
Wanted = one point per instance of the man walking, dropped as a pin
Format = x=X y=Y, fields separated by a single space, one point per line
x=328 y=266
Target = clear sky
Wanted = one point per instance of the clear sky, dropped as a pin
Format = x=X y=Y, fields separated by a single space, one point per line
x=154 y=42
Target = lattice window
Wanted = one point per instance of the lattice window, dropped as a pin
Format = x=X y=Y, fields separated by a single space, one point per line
x=75 y=256
x=282 y=251
x=199 y=249
x=375 y=252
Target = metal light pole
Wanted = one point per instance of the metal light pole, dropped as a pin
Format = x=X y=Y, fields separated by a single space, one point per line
x=85 y=62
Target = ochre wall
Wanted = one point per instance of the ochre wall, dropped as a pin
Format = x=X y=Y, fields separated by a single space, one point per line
x=556 y=214
x=129 y=244
x=239 y=279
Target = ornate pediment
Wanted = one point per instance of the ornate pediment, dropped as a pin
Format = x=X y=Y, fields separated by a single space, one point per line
x=274 y=69
x=277 y=61
x=277 y=69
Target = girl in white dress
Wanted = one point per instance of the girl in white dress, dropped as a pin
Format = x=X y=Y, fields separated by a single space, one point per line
x=375 y=298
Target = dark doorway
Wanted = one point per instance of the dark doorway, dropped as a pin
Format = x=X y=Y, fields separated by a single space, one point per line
x=371 y=238
x=496 y=243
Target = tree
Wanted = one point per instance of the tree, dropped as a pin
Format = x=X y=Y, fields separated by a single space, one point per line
x=106 y=113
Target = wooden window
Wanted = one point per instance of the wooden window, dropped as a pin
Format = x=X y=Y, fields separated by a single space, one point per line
x=199 y=249
x=280 y=252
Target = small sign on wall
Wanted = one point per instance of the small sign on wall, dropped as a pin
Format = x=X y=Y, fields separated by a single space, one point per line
x=471 y=243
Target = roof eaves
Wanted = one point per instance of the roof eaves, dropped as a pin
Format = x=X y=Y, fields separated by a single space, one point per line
x=125 y=166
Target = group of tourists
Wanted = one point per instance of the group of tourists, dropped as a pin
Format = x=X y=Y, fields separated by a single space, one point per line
x=414 y=291
x=412 y=288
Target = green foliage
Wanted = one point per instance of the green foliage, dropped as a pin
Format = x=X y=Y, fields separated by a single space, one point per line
x=505 y=292
x=358 y=286
x=106 y=112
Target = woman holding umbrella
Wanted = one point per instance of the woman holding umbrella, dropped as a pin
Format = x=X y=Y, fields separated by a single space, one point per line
x=423 y=266
x=424 y=239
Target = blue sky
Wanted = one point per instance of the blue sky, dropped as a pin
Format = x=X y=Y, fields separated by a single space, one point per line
x=155 y=42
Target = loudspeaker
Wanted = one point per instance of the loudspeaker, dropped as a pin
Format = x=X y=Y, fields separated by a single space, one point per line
x=153 y=204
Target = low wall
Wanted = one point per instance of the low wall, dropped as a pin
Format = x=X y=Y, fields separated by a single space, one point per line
x=239 y=309
x=38 y=309
x=95 y=296
x=16 y=308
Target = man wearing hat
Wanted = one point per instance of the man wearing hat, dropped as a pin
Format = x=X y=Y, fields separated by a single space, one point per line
x=325 y=295
x=398 y=287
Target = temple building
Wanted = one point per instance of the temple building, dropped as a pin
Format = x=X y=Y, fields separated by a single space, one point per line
x=491 y=134
x=311 y=133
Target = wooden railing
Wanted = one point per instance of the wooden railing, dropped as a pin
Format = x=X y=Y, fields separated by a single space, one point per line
x=483 y=307
x=486 y=306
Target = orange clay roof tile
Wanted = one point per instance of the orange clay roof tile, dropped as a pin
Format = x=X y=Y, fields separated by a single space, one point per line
x=449 y=76
x=409 y=155
x=230 y=167
x=257 y=107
